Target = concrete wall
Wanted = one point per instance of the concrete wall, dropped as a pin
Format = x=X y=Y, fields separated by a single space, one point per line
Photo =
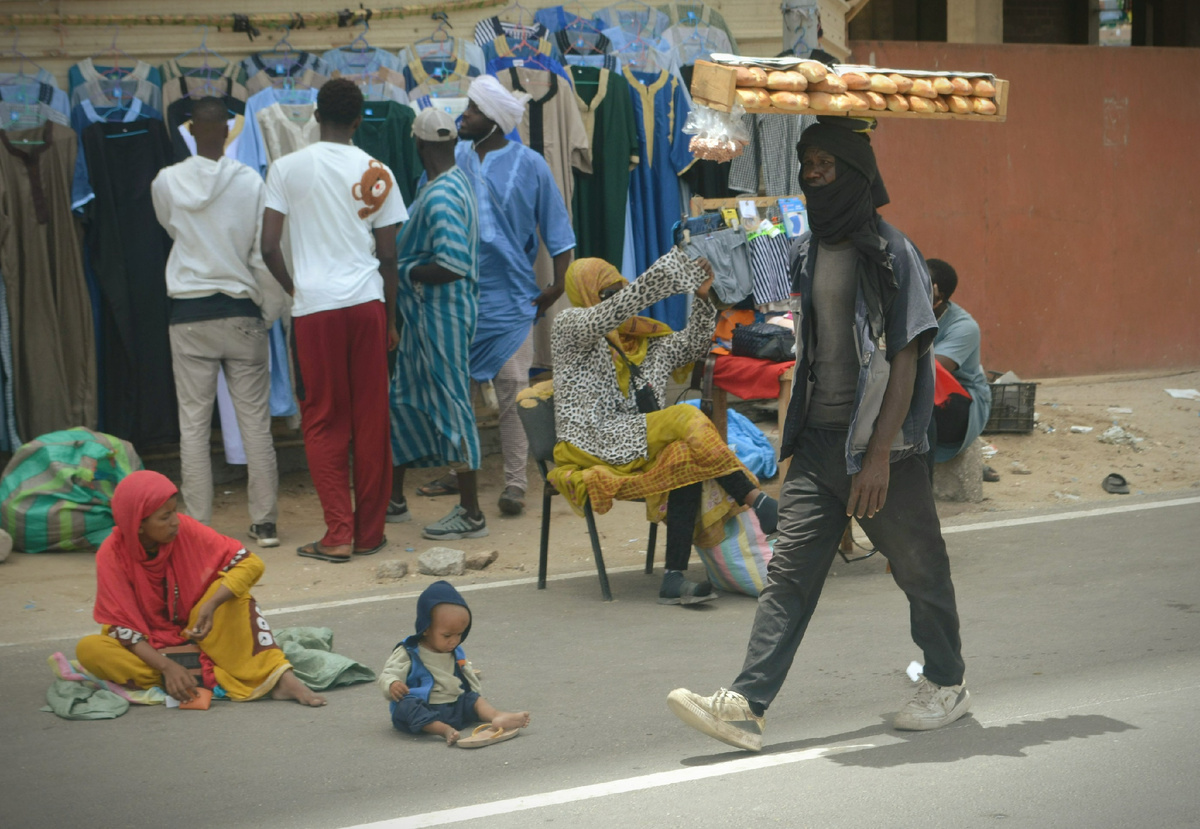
x=1073 y=226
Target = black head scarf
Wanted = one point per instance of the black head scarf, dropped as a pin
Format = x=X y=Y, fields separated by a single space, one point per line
x=845 y=209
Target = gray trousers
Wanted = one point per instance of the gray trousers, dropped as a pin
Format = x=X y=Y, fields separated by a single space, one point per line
x=514 y=376
x=198 y=350
x=812 y=519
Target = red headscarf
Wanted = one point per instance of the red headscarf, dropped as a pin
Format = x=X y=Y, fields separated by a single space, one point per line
x=154 y=596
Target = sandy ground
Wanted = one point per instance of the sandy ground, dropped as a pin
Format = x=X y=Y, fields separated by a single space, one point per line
x=48 y=596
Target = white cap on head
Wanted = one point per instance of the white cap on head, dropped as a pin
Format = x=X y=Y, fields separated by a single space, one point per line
x=497 y=103
x=434 y=124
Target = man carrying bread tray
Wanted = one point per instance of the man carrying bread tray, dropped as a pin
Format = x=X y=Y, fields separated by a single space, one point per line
x=856 y=432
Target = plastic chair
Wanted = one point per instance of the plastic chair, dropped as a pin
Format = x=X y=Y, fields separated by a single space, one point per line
x=536 y=411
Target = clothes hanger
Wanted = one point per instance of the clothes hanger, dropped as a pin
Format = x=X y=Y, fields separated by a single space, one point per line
x=360 y=48
x=114 y=56
x=634 y=11
x=208 y=54
x=19 y=77
x=442 y=39
x=523 y=14
x=281 y=57
x=642 y=56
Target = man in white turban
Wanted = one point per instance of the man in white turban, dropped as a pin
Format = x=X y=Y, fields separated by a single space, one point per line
x=518 y=203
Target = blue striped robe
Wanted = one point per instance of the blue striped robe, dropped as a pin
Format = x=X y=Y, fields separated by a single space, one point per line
x=433 y=422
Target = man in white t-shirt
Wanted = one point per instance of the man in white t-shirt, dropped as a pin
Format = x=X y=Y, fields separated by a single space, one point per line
x=343 y=211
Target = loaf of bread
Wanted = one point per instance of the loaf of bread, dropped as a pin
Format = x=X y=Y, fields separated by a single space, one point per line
x=856 y=80
x=751 y=98
x=941 y=104
x=877 y=101
x=983 y=88
x=903 y=84
x=922 y=88
x=897 y=103
x=819 y=100
x=983 y=106
x=812 y=70
x=787 y=81
x=918 y=103
x=943 y=86
x=883 y=85
x=840 y=103
x=789 y=100
x=858 y=101
x=831 y=83
x=962 y=86
x=751 y=76
x=959 y=104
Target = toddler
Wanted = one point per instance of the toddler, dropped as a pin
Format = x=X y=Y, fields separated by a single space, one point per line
x=429 y=683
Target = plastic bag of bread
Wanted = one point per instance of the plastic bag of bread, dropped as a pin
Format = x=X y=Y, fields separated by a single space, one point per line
x=716 y=136
x=983 y=106
x=812 y=70
x=983 y=88
x=751 y=76
x=884 y=85
x=831 y=83
x=787 y=81
x=791 y=101
x=753 y=98
x=856 y=81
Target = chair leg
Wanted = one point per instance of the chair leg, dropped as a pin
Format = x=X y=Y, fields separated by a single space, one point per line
x=650 y=548
x=600 y=571
x=545 y=547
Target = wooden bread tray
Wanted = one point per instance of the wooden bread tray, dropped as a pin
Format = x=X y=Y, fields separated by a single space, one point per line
x=714 y=85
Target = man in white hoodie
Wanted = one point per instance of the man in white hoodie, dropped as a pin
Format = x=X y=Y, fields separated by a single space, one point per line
x=223 y=303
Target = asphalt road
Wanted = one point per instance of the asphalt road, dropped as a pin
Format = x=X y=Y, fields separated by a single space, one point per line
x=1082 y=642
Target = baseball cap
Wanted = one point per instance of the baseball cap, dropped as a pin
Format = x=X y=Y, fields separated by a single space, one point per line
x=434 y=124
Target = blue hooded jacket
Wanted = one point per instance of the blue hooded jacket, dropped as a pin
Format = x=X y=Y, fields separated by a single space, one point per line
x=420 y=681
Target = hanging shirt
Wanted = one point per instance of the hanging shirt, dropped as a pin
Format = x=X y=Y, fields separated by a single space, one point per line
x=41 y=76
x=334 y=196
x=180 y=113
x=360 y=61
x=109 y=92
x=490 y=28
x=770 y=163
x=600 y=198
x=32 y=91
x=286 y=128
x=251 y=149
x=86 y=72
x=262 y=69
x=586 y=48
x=518 y=200
x=86 y=113
x=437 y=77
x=464 y=48
x=645 y=22
x=692 y=42
x=538 y=62
x=380 y=85
x=24 y=116
x=386 y=134
x=184 y=81
x=660 y=110
x=689 y=14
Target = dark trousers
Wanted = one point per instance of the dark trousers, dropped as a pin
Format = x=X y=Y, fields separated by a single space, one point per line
x=683 y=507
x=812 y=519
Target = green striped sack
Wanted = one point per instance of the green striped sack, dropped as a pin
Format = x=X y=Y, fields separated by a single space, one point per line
x=56 y=492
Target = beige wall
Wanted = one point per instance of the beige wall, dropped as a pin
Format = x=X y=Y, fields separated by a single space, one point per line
x=755 y=23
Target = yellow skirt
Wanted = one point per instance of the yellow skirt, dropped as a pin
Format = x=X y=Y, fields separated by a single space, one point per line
x=246 y=659
x=684 y=448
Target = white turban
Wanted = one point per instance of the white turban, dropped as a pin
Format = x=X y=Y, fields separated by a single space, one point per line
x=497 y=103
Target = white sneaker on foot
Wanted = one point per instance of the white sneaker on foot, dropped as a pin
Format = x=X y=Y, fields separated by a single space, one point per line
x=933 y=706
x=725 y=715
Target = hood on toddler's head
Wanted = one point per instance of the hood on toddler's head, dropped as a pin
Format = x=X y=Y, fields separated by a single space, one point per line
x=440 y=592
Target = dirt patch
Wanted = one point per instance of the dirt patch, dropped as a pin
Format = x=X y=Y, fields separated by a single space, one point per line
x=47 y=596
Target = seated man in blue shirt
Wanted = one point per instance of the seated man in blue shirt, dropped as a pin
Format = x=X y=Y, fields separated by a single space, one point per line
x=956 y=347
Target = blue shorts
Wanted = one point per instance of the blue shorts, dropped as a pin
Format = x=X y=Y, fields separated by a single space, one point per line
x=412 y=714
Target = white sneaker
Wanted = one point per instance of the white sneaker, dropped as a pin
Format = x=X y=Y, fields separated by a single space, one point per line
x=725 y=715
x=933 y=706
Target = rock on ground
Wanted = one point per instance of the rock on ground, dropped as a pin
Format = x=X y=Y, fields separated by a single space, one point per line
x=391 y=571
x=478 y=561
x=961 y=477
x=442 y=561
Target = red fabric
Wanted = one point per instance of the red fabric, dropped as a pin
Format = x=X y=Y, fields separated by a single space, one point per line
x=748 y=378
x=945 y=384
x=155 y=596
x=342 y=356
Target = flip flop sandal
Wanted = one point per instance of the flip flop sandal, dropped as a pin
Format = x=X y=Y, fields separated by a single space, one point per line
x=314 y=550
x=373 y=550
x=491 y=734
x=442 y=486
x=1115 y=484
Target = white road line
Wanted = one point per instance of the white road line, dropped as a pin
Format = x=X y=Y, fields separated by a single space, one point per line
x=629 y=784
x=953 y=529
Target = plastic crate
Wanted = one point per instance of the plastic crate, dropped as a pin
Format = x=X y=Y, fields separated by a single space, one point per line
x=1012 y=408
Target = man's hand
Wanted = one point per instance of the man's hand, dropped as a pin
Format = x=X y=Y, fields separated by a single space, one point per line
x=393 y=338
x=180 y=684
x=868 y=489
x=398 y=690
x=204 y=623
x=546 y=298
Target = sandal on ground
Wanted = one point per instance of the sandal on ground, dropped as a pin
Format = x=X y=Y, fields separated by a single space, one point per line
x=678 y=590
x=372 y=550
x=445 y=485
x=1115 y=484
x=486 y=735
x=990 y=475
x=315 y=550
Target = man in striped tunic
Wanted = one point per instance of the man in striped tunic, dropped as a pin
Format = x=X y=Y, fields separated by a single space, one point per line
x=433 y=423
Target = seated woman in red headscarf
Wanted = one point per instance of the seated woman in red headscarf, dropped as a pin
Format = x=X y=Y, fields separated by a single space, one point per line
x=165 y=580
x=618 y=439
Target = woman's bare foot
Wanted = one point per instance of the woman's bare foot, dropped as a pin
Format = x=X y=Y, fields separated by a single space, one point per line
x=508 y=719
x=289 y=687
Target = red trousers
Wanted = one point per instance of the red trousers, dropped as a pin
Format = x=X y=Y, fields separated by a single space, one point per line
x=342 y=384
